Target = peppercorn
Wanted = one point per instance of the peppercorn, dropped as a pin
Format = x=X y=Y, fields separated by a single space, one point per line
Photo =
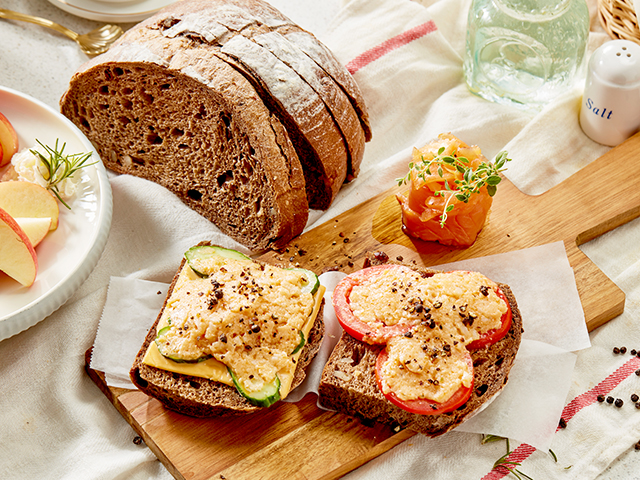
x=562 y=423
x=638 y=405
x=638 y=372
x=619 y=402
x=633 y=352
x=616 y=350
x=634 y=398
x=600 y=398
x=637 y=446
x=623 y=349
x=610 y=399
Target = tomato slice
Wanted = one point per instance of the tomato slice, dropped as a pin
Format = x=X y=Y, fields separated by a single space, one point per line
x=492 y=336
x=355 y=327
x=423 y=406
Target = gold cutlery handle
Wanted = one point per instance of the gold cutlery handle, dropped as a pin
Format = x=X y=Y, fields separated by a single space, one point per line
x=10 y=15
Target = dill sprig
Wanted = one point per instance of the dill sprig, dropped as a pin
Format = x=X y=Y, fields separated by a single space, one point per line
x=60 y=166
x=486 y=174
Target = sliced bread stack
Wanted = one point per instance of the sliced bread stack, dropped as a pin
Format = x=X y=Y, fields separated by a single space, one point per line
x=245 y=116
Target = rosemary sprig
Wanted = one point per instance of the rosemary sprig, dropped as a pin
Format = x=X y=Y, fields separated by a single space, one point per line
x=486 y=174
x=509 y=465
x=60 y=166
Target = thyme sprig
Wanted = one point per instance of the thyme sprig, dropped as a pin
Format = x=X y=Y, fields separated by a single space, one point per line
x=60 y=166
x=486 y=174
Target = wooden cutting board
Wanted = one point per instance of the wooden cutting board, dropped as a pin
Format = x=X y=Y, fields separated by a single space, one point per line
x=300 y=441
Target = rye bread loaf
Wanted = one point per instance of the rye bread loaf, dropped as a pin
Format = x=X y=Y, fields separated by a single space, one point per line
x=348 y=382
x=201 y=397
x=214 y=101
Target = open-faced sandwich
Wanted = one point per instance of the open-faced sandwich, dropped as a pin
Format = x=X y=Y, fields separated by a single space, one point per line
x=234 y=335
x=421 y=349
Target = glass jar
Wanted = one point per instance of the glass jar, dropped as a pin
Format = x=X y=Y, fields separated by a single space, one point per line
x=525 y=52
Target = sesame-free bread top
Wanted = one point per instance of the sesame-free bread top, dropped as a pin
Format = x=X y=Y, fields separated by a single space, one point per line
x=216 y=145
x=201 y=397
x=210 y=100
x=348 y=382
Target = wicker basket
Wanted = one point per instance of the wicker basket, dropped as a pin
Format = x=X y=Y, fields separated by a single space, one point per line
x=618 y=18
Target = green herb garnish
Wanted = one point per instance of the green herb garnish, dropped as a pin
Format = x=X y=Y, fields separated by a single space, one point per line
x=486 y=174
x=60 y=166
x=503 y=463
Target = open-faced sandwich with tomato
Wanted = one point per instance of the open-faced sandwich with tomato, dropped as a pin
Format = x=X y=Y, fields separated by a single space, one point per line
x=421 y=349
x=234 y=335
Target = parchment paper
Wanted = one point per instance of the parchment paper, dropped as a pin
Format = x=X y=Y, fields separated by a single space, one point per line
x=529 y=407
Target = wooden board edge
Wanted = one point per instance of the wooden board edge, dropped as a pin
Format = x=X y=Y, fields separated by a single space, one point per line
x=116 y=396
x=113 y=395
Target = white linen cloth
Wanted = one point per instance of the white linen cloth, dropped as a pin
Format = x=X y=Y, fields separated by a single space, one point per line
x=407 y=58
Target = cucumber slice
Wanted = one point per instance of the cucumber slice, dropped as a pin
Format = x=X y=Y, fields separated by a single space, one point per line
x=175 y=358
x=311 y=281
x=196 y=255
x=300 y=345
x=266 y=397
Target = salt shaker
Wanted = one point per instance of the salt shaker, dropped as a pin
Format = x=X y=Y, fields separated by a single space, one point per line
x=610 y=109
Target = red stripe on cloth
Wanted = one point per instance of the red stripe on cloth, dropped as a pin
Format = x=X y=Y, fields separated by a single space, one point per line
x=574 y=406
x=387 y=46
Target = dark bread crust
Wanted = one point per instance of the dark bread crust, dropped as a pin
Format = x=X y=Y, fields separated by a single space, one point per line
x=348 y=383
x=211 y=100
x=213 y=144
x=201 y=397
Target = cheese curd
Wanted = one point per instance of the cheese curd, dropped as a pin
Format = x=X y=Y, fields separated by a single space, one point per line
x=447 y=311
x=30 y=169
x=244 y=314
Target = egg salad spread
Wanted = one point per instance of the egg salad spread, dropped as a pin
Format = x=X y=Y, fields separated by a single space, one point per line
x=236 y=321
x=446 y=311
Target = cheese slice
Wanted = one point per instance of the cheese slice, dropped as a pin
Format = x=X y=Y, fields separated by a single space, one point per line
x=216 y=370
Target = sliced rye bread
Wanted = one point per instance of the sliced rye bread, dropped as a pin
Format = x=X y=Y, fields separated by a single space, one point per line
x=251 y=18
x=178 y=58
x=211 y=142
x=348 y=382
x=201 y=397
x=319 y=144
x=334 y=98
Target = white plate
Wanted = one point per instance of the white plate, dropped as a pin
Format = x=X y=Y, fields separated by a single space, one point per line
x=67 y=255
x=119 y=12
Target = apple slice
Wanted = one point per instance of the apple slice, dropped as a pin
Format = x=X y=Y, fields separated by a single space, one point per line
x=8 y=140
x=29 y=200
x=35 y=228
x=17 y=256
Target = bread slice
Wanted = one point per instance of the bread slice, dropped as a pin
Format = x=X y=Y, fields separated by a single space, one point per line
x=292 y=45
x=348 y=382
x=201 y=99
x=214 y=144
x=201 y=397
x=312 y=129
